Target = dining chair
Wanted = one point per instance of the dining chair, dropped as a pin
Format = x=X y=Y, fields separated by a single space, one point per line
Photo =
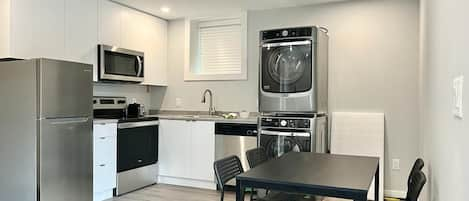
x=418 y=166
x=225 y=170
x=418 y=181
x=256 y=156
x=228 y=168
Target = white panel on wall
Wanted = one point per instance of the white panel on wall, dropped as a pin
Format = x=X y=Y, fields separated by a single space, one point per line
x=360 y=134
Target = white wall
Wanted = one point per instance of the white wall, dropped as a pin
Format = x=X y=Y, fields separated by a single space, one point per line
x=374 y=48
x=445 y=138
x=5 y=25
x=130 y=91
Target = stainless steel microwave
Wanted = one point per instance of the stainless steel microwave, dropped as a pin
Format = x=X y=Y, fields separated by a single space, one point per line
x=119 y=64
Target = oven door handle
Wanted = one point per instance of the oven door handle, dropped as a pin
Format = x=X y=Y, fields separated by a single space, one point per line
x=281 y=44
x=282 y=133
x=137 y=124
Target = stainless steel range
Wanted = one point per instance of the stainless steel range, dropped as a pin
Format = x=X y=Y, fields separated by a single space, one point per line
x=293 y=70
x=137 y=144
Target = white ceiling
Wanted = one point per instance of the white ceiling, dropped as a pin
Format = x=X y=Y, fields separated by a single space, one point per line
x=207 y=8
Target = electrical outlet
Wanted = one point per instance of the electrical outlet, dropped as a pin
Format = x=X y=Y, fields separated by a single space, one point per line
x=395 y=164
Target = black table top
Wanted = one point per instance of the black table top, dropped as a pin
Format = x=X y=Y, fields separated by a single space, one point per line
x=313 y=169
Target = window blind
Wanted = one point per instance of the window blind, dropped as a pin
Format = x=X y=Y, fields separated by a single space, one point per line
x=220 y=46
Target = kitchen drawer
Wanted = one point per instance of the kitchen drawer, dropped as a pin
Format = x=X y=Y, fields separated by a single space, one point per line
x=104 y=177
x=104 y=130
x=105 y=150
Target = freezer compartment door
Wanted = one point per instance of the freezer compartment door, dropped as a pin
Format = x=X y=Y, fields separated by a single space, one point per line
x=66 y=88
x=65 y=159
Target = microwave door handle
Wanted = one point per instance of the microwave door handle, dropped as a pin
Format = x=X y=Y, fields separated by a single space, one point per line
x=140 y=66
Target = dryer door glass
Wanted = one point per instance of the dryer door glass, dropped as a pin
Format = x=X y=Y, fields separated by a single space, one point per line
x=287 y=67
x=276 y=146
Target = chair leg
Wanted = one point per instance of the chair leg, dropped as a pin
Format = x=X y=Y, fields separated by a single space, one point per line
x=222 y=194
x=252 y=195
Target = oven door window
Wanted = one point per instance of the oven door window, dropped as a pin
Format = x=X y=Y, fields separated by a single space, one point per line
x=276 y=146
x=123 y=64
x=287 y=67
x=137 y=147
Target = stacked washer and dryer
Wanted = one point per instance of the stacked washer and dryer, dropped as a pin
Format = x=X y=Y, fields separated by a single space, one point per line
x=293 y=90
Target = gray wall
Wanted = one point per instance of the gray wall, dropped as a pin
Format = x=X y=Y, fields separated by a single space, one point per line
x=228 y=95
x=373 y=68
x=445 y=138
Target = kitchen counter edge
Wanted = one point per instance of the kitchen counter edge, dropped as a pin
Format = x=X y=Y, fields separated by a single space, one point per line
x=105 y=121
x=250 y=120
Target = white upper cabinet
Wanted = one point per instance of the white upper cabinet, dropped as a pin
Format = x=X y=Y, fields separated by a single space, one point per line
x=109 y=23
x=37 y=28
x=156 y=52
x=81 y=28
x=130 y=29
x=49 y=29
x=71 y=30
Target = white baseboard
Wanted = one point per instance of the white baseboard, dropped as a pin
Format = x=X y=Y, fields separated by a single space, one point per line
x=395 y=194
x=187 y=182
x=100 y=196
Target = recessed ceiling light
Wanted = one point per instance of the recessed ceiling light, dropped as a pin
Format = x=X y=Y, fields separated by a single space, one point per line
x=165 y=9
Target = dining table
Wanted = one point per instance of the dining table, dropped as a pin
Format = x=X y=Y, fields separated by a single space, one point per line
x=314 y=174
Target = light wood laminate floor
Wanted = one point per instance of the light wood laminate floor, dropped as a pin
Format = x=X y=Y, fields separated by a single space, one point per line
x=163 y=192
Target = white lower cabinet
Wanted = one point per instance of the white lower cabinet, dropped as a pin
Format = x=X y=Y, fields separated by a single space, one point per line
x=104 y=160
x=187 y=153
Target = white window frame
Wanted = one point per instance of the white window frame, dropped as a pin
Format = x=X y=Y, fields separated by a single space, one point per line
x=191 y=55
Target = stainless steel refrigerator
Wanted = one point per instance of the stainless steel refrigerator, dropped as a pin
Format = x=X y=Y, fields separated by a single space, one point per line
x=46 y=131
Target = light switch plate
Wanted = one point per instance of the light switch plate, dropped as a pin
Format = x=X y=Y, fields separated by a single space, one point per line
x=458 y=84
x=396 y=164
x=178 y=102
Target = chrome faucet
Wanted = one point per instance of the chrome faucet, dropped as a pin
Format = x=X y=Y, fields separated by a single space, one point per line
x=211 y=109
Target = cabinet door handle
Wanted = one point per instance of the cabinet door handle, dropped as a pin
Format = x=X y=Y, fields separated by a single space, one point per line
x=102 y=138
x=102 y=165
x=139 y=161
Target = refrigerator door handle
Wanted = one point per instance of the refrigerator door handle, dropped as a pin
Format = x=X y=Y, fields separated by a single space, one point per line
x=69 y=120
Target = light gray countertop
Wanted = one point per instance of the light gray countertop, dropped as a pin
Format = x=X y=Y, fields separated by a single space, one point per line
x=104 y=121
x=202 y=116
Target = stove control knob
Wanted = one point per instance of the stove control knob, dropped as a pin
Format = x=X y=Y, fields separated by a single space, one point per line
x=283 y=123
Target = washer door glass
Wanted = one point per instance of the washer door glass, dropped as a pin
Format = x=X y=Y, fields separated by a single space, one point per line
x=287 y=67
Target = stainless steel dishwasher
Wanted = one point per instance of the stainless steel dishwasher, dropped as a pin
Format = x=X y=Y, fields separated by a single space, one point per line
x=235 y=139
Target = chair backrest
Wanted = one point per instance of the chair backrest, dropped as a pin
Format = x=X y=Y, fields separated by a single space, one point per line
x=418 y=181
x=256 y=156
x=227 y=169
x=418 y=165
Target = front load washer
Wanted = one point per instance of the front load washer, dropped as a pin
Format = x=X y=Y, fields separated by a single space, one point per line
x=293 y=71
